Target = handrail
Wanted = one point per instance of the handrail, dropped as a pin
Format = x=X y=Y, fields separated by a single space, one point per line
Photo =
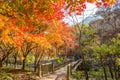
x=50 y=67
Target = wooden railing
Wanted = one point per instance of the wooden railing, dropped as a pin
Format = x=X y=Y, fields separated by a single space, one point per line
x=47 y=68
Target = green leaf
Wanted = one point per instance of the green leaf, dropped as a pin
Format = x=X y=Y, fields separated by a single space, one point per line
x=0 y=10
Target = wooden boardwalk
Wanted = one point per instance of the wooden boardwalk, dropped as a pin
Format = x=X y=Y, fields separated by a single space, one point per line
x=54 y=75
x=58 y=73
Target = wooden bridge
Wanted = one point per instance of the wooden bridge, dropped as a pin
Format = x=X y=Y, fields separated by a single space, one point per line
x=55 y=72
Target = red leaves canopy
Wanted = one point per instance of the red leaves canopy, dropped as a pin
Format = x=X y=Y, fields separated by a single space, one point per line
x=28 y=20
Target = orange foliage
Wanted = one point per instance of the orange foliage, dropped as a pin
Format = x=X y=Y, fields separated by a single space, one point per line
x=65 y=32
x=28 y=20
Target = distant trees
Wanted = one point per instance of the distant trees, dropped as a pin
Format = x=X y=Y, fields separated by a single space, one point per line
x=101 y=42
x=85 y=37
x=108 y=31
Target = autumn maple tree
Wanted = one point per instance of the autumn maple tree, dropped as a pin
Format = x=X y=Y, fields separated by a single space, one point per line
x=24 y=24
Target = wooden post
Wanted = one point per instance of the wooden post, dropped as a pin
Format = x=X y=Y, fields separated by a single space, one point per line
x=68 y=72
x=39 y=71
x=52 y=67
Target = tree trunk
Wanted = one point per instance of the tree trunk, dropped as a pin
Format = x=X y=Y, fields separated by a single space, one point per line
x=37 y=60
x=111 y=73
x=105 y=74
x=35 y=66
x=15 y=62
x=115 y=69
x=35 y=63
x=23 y=65
x=118 y=72
x=0 y=63
x=85 y=68
x=86 y=75
x=103 y=66
x=7 y=60
x=114 y=66
x=110 y=68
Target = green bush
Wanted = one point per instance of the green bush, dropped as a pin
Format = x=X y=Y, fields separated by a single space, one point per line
x=78 y=75
x=30 y=59
x=60 y=60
